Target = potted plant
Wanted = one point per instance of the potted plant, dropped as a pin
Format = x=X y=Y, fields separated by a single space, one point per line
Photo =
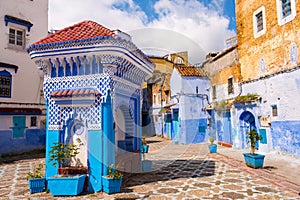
x=252 y=159
x=112 y=181
x=36 y=179
x=65 y=183
x=145 y=146
x=62 y=154
x=212 y=147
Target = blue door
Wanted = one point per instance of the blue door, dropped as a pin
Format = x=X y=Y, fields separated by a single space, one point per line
x=227 y=128
x=175 y=124
x=247 y=123
x=19 y=126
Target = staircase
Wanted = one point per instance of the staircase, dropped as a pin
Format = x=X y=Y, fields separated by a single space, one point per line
x=127 y=144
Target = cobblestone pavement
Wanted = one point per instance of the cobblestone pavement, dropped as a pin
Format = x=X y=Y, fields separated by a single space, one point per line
x=179 y=172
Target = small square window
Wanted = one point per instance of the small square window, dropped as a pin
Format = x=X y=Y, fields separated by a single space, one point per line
x=16 y=38
x=259 y=22
x=230 y=86
x=214 y=92
x=274 y=110
x=33 y=121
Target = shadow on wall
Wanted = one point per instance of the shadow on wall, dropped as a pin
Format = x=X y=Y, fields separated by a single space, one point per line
x=148 y=125
x=34 y=139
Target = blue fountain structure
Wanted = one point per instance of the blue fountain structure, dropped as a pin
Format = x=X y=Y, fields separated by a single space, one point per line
x=92 y=89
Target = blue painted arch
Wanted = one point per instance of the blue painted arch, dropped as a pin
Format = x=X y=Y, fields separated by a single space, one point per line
x=247 y=123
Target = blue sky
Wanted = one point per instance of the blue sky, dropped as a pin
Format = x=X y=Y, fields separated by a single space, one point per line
x=227 y=9
x=157 y=27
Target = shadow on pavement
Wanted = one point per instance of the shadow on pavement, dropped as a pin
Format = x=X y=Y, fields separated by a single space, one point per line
x=176 y=170
x=13 y=159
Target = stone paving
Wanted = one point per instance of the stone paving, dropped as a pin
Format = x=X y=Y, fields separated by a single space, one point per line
x=179 y=172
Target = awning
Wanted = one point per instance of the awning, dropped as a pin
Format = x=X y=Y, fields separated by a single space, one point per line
x=75 y=93
x=20 y=111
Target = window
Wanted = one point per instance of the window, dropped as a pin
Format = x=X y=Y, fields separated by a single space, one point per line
x=33 y=121
x=154 y=99
x=16 y=38
x=214 y=92
x=5 y=84
x=274 y=111
x=286 y=11
x=16 y=31
x=230 y=86
x=259 y=22
x=179 y=60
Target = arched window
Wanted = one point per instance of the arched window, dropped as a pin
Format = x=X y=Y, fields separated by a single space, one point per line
x=5 y=84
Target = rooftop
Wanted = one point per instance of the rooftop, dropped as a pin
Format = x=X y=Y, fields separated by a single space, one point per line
x=190 y=71
x=83 y=30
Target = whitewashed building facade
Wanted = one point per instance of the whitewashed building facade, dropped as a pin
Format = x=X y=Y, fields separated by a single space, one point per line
x=21 y=98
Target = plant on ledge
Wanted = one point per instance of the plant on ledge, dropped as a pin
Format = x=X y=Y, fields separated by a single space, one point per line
x=62 y=154
x=222 y=105
x=245 y=98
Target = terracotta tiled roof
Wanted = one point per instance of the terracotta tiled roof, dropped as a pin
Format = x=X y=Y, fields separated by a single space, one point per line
x=190 y=71
x=75 y=93
x=83 y=30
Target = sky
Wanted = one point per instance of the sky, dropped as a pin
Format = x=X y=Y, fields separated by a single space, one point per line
x=157 y=27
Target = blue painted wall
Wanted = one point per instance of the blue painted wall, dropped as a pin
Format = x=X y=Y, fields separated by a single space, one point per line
x=52 y=137
x=35 y=139
x=194 y=131
x=95 y=158
x=286 y=136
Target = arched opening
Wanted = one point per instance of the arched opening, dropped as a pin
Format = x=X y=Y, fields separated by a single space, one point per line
x=124 y=127
x=76 y=133
x=247 y=122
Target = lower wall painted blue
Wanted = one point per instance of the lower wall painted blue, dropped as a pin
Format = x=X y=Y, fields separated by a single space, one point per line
x=193 y=131
x=52 y=137
x=34 y=139
x=286 y=136
x=95 y=159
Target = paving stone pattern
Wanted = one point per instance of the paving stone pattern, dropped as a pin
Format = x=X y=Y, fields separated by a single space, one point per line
x=179 y=172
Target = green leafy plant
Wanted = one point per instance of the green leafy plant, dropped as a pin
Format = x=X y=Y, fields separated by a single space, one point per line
x=248 y=97
x=211 y=140
x=37 y=172
x=113 y=173
x=254 y=137
x=63 y=154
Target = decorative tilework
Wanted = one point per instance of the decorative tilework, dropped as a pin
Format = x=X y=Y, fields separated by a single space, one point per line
x=100 y=82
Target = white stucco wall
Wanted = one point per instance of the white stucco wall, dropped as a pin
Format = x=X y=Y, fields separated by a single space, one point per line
x=282 y=90
x=222 y=92
x=175 y=83
x=27 y=82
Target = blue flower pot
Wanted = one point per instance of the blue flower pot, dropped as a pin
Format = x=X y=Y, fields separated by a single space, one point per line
x=66 y=185
x=212 y=148
x=146 y=165
x=36 y=185
x=145 y=148
x=255 y=161
x=111 y=186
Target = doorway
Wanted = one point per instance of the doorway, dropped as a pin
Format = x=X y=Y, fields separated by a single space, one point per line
x=247 y=123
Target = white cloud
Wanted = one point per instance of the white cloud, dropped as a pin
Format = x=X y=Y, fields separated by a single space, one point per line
x=181 y=25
